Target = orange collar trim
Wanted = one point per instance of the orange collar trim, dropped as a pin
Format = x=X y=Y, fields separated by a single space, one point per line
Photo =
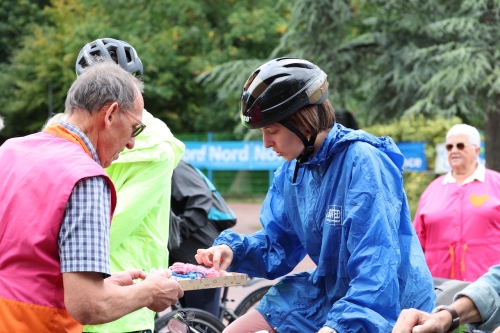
x=62 y=132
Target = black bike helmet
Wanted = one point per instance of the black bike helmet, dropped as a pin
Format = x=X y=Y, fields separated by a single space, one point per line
x=121 y=52
x=280 y=88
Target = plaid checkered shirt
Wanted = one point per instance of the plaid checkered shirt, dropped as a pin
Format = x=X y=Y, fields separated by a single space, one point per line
x=84 y=234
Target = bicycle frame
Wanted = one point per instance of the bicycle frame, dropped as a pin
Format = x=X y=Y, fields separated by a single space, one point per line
x=180 y=323
x=224 y=311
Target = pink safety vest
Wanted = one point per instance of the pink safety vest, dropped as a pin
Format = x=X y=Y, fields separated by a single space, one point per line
x=38 y=173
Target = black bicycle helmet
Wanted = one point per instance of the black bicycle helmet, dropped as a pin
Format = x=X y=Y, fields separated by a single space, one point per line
x=121 y=52
x=280 y=88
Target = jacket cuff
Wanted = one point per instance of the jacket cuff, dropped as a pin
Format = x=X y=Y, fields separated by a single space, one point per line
x=332 y=325
x=233 y=240
x=487 y=302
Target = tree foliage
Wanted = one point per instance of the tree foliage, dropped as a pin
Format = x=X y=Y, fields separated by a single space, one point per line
x=418 y=128
x=433 y=58
x=388 y=59
x=426 y=56
x=385 y=59
x=314 y=31
x=16 y=16
x=176 y=40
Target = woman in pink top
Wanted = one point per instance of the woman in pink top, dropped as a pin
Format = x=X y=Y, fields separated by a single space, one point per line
x=458 y=216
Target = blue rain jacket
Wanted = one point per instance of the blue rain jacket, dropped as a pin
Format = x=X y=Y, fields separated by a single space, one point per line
x=348 y=211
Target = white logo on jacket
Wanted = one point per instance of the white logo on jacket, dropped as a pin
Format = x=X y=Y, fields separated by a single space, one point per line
x=334 y=215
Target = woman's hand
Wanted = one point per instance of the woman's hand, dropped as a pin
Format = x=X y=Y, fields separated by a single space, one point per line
x=218 y=257
x=416 y=321
x=324 y=331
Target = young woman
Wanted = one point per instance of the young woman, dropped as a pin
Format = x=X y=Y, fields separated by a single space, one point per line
x=338 y=198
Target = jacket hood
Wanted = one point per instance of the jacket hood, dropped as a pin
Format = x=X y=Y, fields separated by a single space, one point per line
x=341 y=137
x=155 y=134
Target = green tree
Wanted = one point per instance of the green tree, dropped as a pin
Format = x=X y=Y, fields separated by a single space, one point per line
x=432 y=58
x=388 y=59
x=176 y=41
x=325 y=32
x=16 y=16
x=314 y=31
x=417 y=128
x=46 y=57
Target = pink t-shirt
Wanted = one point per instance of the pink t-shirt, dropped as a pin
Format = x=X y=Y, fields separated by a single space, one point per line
x=459 y=227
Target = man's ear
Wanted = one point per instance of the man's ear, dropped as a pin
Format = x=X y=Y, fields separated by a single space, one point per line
x=110 y=115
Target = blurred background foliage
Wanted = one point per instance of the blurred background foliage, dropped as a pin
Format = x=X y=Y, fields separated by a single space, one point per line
x=176 y=40
x=417 y=128
x=409 y=69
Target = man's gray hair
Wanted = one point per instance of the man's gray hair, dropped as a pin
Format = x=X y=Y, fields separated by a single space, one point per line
x=1 y=123
x=463 y=129
x=103 y=82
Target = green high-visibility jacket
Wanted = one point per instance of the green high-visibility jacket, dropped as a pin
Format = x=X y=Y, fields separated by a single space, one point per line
x=139 y=229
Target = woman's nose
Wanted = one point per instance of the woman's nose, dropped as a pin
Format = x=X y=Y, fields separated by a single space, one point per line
x=266 y=140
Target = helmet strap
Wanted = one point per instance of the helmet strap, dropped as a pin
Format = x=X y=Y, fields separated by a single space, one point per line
x=308 y=144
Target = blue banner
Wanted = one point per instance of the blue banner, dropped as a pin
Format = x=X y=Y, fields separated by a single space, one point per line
x=251 y=155
x=414 y=153
x=231 y=155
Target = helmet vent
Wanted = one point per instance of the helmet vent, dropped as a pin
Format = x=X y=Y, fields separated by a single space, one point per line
x=112 y=54
x=287 y=58
x=275 y=77
x=82 y=63
x=250 y=79
x=128 y=55
x=297 y=65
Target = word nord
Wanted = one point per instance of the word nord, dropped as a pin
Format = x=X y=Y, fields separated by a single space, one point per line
x=219 y=154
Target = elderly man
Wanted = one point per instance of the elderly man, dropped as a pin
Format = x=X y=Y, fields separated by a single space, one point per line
x=142 y=176
x=478 y=303
x=458 y=213
x=55 y=210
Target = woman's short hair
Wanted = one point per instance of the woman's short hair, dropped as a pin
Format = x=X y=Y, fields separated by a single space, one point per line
x=463 y=129
x=307 y=118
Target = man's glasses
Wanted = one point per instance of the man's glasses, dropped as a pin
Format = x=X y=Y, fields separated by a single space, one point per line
x=460 y=146
x=139 y=127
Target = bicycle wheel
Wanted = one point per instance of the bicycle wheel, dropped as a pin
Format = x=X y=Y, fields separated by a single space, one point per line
x=251 y=301
x=203 y=321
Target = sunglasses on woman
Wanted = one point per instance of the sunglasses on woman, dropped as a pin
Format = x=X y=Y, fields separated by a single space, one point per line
x=460 y=146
